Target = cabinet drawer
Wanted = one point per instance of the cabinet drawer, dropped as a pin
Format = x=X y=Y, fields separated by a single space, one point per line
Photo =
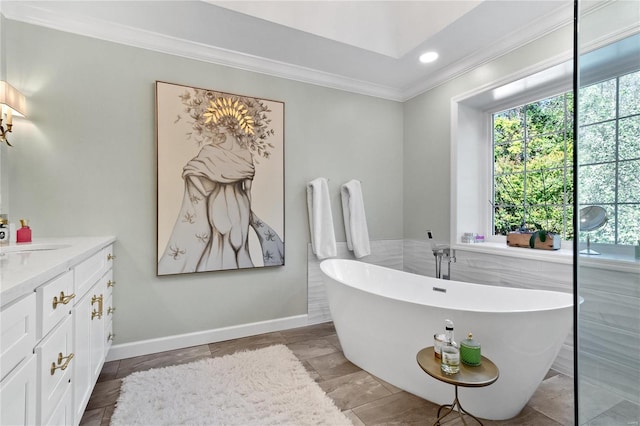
x=87 y=272
x=18 y=395
x=55 y=351
x=17 y=333
x=55 y=300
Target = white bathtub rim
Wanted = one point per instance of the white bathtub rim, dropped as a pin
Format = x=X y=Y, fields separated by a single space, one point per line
x=567 y=302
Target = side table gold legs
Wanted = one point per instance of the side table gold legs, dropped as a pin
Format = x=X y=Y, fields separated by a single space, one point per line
x=452 y=406
x=469 y=377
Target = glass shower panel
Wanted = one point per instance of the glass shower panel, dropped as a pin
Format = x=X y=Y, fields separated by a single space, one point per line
x=607 y=278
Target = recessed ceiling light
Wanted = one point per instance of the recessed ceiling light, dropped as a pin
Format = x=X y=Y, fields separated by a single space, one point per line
x=427 y=57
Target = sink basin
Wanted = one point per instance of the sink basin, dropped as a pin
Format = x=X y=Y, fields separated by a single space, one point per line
x=31 y=247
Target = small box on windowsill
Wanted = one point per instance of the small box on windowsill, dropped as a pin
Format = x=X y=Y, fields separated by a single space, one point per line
x=522 y=239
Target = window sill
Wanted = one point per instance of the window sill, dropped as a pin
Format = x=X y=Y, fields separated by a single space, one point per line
x=618 y=262
x=556 y=256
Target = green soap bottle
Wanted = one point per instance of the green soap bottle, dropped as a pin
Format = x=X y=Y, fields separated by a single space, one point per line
x=470 y=351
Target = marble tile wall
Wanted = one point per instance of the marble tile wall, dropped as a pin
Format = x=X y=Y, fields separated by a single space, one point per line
x=383 y=252
x=609 y=329
x=418 y=258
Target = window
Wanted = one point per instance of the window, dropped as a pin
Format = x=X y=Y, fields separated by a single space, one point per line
x=533 y=151
x=513 y=149
x=609 y=156
x=533 y=167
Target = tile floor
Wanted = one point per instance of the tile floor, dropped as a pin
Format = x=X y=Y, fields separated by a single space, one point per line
x=366 y=399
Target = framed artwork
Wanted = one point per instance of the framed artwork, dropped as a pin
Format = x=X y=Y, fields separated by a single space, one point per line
x=220 y=171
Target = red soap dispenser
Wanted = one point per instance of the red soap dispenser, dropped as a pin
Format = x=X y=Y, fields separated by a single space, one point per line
x=24 y=233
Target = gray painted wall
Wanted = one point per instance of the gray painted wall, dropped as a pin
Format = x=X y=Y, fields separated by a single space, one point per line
x=84 y=164
x=4 y=163
x=427 y=130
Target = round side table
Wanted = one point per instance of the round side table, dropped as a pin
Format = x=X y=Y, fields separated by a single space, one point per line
x=472 y=377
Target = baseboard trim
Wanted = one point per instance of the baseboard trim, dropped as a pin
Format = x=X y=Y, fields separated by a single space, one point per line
x=151 y=346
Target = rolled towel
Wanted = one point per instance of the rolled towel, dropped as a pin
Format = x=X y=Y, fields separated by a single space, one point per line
x=355 y=220
x=323 y=238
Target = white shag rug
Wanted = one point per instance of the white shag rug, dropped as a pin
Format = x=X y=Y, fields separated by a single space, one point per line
x=262 y=387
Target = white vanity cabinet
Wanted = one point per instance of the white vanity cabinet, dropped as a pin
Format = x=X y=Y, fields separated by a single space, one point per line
x=53 y=330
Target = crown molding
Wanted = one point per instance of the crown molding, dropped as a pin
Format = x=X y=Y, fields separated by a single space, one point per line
x=41 y=14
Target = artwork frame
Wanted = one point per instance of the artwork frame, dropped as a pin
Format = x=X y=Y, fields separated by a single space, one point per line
x=220 y=180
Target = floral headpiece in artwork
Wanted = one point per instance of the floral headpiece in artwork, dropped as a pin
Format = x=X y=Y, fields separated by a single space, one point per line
x=244 y=117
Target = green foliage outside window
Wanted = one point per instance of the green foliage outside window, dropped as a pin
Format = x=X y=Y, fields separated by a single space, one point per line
x=533 y=162
x=533 y=183
x=609 y=156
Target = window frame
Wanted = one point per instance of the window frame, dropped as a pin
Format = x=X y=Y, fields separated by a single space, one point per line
x=530 y=85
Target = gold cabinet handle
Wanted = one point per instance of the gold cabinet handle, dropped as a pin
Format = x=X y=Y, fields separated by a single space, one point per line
x=110 y=256
x=67 y=359
x=111 y=283
x=111 y=310
x=97 y=313
x=63 y=299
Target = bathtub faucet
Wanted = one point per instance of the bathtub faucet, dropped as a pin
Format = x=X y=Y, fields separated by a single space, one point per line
x=443 y=252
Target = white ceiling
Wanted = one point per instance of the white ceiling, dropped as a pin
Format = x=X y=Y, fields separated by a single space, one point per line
x=369 y=47
x=391 y=28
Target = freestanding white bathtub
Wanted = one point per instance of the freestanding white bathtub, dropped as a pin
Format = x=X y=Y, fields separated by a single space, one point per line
x=383 y=317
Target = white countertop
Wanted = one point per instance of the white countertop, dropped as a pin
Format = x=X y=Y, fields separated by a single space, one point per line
x=25 y=266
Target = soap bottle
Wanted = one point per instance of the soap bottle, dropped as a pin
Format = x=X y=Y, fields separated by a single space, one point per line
x=450 y=351
x=470 y=351
x=24 y=233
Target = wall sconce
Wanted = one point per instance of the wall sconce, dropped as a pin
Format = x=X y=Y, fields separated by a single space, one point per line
x=12 y=102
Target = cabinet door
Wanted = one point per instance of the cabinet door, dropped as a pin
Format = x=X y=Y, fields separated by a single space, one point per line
x=18 y=395
x=89 y=329
x=82 y=385
x=56 y=361
x=63 y=413
x=98 y=317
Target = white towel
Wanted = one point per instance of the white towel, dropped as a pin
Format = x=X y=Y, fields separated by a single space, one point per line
x=355 y=221
x=323 y=238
